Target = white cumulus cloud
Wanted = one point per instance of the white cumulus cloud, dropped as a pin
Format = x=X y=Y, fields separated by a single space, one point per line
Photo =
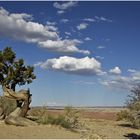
x=99 y=57
x=60 y=12
x=72 y=65
x=52 y=28
x=115 y=70
x=122 y=82
x=100 y=47
x=87 y=39
x=51 y=23
x=97 y=19
x=82 y=26
x=64 y=46
x=116 y=80
x=19 y=26
x=89 y=19
x=64 y=5
x=68 y=33
x=64 y=20
x=132 y=70
x=104 y=19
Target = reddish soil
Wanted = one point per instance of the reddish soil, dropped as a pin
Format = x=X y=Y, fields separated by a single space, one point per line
x=55 y=112
x=99 y=115
x=89 y=114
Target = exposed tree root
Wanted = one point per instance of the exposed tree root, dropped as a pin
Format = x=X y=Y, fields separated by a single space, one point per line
x=19 y=121
x=15 y=119
x=17 y=116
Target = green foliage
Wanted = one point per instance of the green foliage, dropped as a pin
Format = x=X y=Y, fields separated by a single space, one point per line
x=123 y=115
x=13 y=71
x=134 y=97
x=132 y=114
x=135 y=106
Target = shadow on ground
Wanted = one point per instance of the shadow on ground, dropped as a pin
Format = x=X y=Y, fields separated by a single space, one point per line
x=132 y=136
x=126 y=125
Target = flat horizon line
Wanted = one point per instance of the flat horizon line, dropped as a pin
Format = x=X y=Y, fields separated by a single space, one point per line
x=51 y=107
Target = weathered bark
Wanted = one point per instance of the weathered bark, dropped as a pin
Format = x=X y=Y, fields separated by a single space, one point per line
x=7 y=106
x=13 y=87
x=21 y=95
x=15 y=119
x=17 y=116
x=25 y=106
x=2 y=116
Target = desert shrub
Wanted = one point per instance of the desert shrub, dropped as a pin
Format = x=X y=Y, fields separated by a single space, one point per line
x=61 y=120
x=72 y=117
x=135 y=106
x=43 y=120
x=69 y=119
x=122 y=115
x=136 y=122
x=132 y=114
x=51 y=120
x=38 y=112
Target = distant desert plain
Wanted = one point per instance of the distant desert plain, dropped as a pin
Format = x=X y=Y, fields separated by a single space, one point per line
x=98 y=122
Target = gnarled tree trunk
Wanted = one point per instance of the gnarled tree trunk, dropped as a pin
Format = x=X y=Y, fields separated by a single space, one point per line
x=17 y=115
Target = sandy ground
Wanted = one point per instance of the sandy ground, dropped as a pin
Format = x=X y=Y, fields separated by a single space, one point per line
x=96 y=129
x=35 y=132
x=98 y=124
x=109 y=129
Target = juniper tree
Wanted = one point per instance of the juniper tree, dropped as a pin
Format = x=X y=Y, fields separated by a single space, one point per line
x=14 y=72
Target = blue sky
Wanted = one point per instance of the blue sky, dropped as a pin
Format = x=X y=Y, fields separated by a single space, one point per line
x=84 y=53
